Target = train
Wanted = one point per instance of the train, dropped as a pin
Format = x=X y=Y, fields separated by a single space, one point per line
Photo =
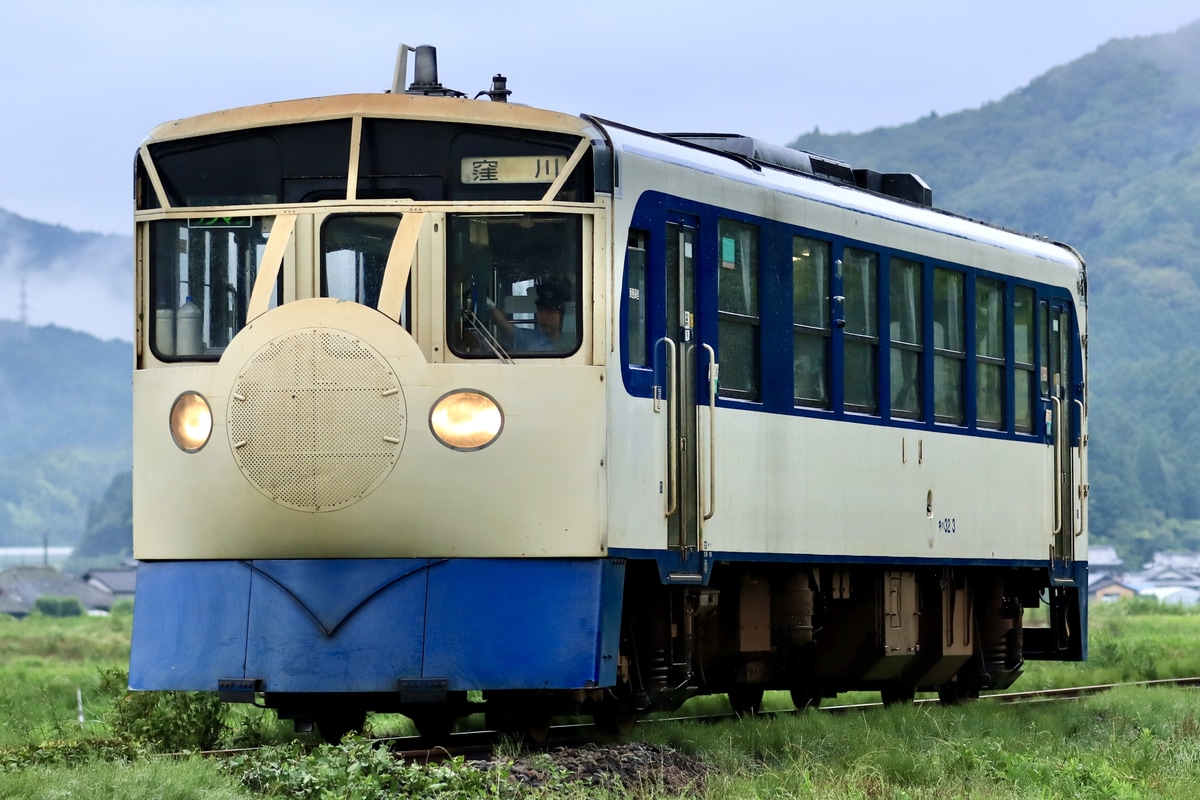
x=447 y=405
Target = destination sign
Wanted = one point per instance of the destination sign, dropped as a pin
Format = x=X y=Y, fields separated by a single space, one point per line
x=512 y=169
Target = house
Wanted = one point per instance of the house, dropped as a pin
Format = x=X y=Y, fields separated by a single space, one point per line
x=20 y=587
x=1108 y=589
x=10 y=606
x=1103 y=560
x=118 y=581
x=1106 y=575
x=1178 y=570
x=1177 y=595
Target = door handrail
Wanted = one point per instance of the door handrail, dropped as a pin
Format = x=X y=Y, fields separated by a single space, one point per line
x=1058 y=440
x=672 y=429
x=1079 y=472
x=714 y=370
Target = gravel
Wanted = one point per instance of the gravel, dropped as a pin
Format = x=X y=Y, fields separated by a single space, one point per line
x=628 y=766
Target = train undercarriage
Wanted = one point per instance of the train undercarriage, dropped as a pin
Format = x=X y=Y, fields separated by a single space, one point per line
x=812 y=630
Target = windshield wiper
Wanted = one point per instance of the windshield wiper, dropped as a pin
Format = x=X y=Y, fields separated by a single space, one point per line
x=486 y=336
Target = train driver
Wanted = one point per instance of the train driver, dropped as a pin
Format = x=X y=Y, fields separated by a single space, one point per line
x=546 y=334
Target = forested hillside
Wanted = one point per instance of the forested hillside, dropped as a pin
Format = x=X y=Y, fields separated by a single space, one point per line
x=1102 y=153
x=65 y=429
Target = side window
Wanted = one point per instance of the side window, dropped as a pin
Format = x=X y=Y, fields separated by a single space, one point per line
x=635 y=320
x=948 y=346
x=907 y=337
x=354 y=253
x=860 y=271
x=1023 y=338
x=737 y=307
x=989 y=353
x=810 y=322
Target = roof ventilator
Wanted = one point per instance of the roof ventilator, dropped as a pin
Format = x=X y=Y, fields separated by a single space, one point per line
x=900 y=185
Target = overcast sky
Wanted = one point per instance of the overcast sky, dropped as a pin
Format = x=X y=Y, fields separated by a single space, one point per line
x=84 y=81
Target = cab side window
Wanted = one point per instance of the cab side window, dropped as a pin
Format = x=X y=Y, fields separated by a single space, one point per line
x=636 y=324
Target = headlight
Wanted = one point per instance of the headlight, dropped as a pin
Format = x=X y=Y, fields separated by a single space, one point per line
x=191 y=422
x=466 y=420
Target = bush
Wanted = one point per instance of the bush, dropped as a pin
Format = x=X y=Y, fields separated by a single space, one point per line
x=122 y=608
x=50 y=606
x=163 y=721
x=357 y=770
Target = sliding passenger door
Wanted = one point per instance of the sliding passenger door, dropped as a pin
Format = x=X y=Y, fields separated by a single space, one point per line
x=683 y=358
x=1058 y=392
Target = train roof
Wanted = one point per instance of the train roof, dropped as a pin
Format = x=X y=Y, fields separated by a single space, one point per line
x=381 y=105
x=826 y=181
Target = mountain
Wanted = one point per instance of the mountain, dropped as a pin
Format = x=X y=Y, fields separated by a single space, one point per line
x=52 y=275
x=1102 y=153
x=66 y=429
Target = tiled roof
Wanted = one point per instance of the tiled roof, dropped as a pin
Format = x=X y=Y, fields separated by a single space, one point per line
x=22 y=586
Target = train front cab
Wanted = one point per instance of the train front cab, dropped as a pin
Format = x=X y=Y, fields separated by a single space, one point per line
x=362 y=482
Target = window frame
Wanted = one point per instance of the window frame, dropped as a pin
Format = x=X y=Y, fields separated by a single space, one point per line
x=823 y=333
x=748 y=322
x=899 y=346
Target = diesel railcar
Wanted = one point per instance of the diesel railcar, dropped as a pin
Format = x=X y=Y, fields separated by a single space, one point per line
x=447 y=404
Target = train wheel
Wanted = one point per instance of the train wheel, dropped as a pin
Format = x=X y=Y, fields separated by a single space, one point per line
x=614 y=717
x=806 y=698
x=897 y=695
x=537 y=726
x=955 y=692
x=435 y=726
x=334 y=725
x=746 y=700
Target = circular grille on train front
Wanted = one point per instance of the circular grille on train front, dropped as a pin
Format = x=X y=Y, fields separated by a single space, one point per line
x=316 y=420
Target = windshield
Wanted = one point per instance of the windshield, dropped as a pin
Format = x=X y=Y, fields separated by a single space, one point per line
x=517 y=278
x=203 y=272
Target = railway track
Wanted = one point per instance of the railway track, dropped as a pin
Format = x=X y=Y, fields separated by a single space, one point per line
x=481 y=744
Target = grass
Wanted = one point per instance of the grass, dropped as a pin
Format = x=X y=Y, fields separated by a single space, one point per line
x=188 y=779
x=1129 y=743
x=46 y=664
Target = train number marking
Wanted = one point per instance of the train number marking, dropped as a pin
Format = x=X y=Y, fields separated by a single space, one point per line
x=947 y=525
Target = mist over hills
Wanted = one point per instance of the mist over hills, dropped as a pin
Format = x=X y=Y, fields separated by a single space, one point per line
x=1102 y=153
x=81 y=281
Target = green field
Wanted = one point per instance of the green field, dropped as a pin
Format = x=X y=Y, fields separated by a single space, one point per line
x=1130 y=743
